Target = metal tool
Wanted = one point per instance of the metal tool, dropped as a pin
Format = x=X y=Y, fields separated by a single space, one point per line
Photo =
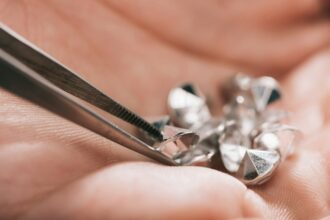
x=30 y=73
x=249 y=142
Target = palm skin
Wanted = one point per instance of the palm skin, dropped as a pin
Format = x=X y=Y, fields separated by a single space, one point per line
x=136 y=51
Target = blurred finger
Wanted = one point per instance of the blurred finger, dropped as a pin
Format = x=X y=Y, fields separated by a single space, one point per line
x=147 y=191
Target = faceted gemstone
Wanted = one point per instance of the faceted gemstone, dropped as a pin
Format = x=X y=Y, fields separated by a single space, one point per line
x=210 y=138
x=200 y=155
x=250 y=140
x=286 y=135
x=232 y=146
x=233 y=135
x=239 y=84
x=265 y=90
x=188 y=107
x=257 y=166
x=247 y=122
x=232 y=155
x=212 y=127
x=242 y=82
x=207 y=145
x=176 y=140
x=270 y=117
x=267 y=141
x=241 y=109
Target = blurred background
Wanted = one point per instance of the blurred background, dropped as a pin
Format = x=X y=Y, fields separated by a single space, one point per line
x=125 y=47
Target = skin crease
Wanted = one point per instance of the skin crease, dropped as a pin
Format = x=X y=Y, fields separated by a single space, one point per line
x=53 y=169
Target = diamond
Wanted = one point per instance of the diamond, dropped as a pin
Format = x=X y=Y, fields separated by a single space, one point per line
x=267 y=141
x=257 y=166
x=232 y=155
x=176 y=140
x=237 y=85
x=265 y=90
x=250 y=140
x=286 y=135
x=187 y=107
x=201 y=155
x=242 y=110
x=212 y=127
x=232 y=146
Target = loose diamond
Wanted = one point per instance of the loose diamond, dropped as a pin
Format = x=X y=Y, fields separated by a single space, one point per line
x=187 y=107
x=257 y=166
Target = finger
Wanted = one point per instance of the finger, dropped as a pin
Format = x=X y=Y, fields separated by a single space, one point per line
x=213 y=15
x=307 y=93
x=267 y=37
x=299 y=188
x=147 y=191
x=40 y=152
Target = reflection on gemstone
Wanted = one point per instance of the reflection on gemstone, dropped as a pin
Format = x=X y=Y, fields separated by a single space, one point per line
x=286 y=135
x=250 y=139
x=187 y=107
x=257 y=166
x=267 y=141
x=176 y=140
x=265 y=90
x=232 y=156
x=201 y=155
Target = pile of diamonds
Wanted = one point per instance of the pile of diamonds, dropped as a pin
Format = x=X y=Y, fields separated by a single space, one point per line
x=249 y=141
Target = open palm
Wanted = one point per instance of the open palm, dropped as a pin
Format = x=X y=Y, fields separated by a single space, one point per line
x=136 y=51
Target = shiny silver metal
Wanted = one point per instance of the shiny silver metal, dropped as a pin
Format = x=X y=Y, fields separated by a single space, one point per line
x=249 y=140
x=252 y=149
x=26 y=83
x=62 y=77
x=32 y=74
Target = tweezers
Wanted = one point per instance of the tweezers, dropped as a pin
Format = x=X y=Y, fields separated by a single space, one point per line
x=30 y=73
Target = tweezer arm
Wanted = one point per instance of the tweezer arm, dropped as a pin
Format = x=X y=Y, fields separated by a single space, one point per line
x=67 y=80
x=21 y=80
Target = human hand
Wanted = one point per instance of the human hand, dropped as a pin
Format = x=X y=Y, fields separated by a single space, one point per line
x=52 y=169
